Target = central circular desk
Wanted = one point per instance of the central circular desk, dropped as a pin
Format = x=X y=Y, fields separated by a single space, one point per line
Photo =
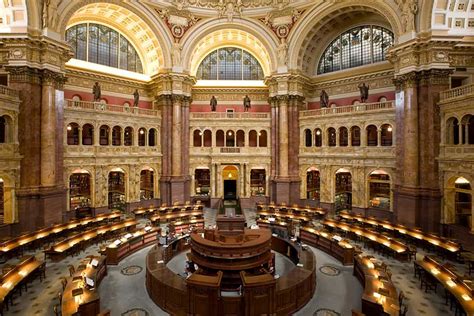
x=233 y=276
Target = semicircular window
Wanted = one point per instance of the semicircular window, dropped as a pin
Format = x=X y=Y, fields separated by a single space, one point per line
x=358 y=46
x=230 y=63
x=102 y=45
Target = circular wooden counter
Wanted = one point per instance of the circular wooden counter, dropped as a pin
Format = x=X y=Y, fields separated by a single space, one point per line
x=202 y=294
x=232 y=253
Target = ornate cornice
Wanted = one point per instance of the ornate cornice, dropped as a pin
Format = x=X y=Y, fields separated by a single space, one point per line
x=424 y=77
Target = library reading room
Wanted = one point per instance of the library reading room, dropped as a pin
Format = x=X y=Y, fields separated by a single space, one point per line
x=236 y=157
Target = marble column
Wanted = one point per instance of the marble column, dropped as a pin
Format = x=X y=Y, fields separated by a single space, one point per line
x=417 y=195
x=42 y=195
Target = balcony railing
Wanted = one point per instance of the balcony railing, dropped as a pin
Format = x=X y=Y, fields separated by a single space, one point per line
x=8 y=91
x=362 y=107
x=225 y=115
x=102 y=107
x=457 y=92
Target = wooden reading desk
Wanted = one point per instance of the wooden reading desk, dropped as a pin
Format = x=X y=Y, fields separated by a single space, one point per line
x=462 y=290
x=380 y=296
x=17 y=276
x=79 y=297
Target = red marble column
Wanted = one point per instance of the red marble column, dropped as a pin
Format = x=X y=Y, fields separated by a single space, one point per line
x=417 y=195
x=42 y=195
x=285 y=149
x=174 y=181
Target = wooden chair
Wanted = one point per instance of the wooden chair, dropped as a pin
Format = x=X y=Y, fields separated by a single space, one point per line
x=401 y=297
x=428 y=281
x=412 y=252
x=418 y=270
x=72 y=270
x=403 y=310
x=57 y=310
x=63 y=282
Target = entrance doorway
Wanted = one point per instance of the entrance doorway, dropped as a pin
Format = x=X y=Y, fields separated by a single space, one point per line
x=230 y=189
x=230 y=175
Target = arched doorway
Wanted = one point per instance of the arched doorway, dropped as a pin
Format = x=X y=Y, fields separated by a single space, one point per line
x=313 y=183
x=463 y=202
x=230 y=175
x=80 y=190
x=343 y=190
x=379 y=190
x=147 y=181
x=116 y=184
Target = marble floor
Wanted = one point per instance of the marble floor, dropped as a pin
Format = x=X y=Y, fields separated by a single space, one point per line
x=123 y=290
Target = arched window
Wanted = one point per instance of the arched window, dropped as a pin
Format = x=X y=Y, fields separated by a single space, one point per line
x=343 y=137
x=452 y=130
x=318 y=137
x=372 y=135
x=355 y=136
x=87 y=134
x=220 y=138
x=116 y=136
x=386 y=137
x=3 y=130
x=230 y=139
x=197 y=138
x=104 y=135
x=331 y=137
x=253 y=138
x=141 y=137
x=262 y=138
x=207 y=138
x=152 y=137
x=100 y=44
x=358 y=46
x=308 y=138
x=230 y=63
x=72 y=134
x=128 y=136
x=240 y=138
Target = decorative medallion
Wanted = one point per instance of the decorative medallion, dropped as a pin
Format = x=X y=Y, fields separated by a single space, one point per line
x=329 y=270
x=178 y=21
x=281 y=22
x=326 y=312
x=131 y=270
x=136 y=312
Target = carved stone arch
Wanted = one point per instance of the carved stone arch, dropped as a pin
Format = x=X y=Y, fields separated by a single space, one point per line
x=198 y=44
x=323 y=13
x=146 y=21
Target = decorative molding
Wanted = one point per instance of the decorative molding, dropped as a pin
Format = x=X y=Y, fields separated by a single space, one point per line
x=282 y=21
x=178 y=20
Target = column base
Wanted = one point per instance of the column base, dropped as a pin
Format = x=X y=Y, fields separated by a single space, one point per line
x=175 y=189
x=285 y=191
x=418 y=207
x=40 y=207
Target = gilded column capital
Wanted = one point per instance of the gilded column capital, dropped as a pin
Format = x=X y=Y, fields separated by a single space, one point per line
x=24 y=74
x=435 y=76
x=408 y=80
x=54 y=79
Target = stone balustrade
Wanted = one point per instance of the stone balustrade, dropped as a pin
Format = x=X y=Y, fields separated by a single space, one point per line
x=110 y=108
x=460 y=92
x=4 y=90
x=349 y=109
x=233 y=115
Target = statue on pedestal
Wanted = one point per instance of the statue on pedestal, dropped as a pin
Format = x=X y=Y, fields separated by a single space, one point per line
x=96 y=92
x=324 y=99
x=246 y=103
x=364 y=92
x=213 y=104
x=136 y=98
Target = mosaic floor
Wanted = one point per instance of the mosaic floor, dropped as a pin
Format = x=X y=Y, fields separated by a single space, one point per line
x=123 y=290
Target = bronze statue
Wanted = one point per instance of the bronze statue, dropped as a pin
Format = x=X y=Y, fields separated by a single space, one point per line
x=136 y=98
x=246 y=103
x=213 y=104
x=364 y=92
x=324 y=99
x=96 y=92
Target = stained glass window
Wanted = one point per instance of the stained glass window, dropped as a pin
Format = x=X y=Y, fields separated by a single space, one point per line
x=100 y=44
x=358 y=46
x=230 y=63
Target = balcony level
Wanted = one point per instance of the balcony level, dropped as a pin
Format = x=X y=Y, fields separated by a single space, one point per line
x=350 y=110
x=457 y=94
x=98 y=107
